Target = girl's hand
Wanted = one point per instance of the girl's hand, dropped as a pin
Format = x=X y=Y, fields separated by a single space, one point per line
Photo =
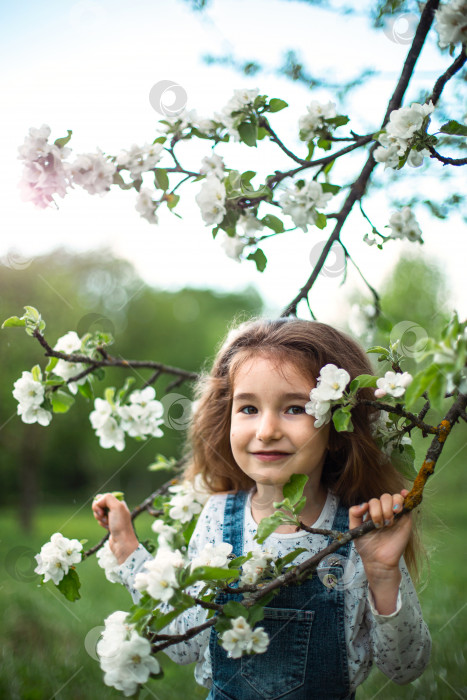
x=382 y=549
x=115 y=517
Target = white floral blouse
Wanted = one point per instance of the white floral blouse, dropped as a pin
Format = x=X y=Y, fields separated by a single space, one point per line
x=399 y=644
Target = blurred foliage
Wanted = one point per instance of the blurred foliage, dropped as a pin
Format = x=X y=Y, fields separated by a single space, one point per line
x=86 y=293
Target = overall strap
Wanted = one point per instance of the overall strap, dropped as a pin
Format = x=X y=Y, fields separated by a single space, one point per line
x=341 y=524
x=234 y=518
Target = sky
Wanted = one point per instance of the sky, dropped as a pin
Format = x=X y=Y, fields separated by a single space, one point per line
x=89 y=66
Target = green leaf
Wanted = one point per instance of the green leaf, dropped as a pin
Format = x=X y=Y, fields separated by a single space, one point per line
x=454 y=128
x=324 y=144
x=256 y=613
x=69 y=585
x=379 y=349
x=14 y=322
x=273 y=222
x=109 y=394
x=61 y=402
x=327 y=187
x=36 y=373
x=420 y=383
x=437 y=390
x=52 y=363
x=86 y=390
x=63 y=140
x=234 y=609
x=403 y=459
x=162 y=463
x=321 y=220
x=267 y=526
x=293 y=489
x=248 y=133
x=211 y=573
x=188 y=530
x=328 y=166
x=260 y=259
x=362 y=381
x=340 y=120
x=275 y=105
x=161 y=179
x=172 y=200
x=283 y=561
x=160 y=139
x=342 y=420
x=311 y=148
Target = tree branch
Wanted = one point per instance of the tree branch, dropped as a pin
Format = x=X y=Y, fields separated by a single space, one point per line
x=445 y=159
x=358 y=188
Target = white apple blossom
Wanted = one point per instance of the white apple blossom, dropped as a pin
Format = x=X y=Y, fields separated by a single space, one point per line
x=404 y=122
x=404 y=225
x=233 y=246
x=393 y=383
x=451 y=23
x=56 y=557
x=93 y=172
x=178 y=122
x=125 y=656
x=44 y=173
x=27 y=391
x=254 y=568
x=146 y=206
x=183 y=507
x=213 y=555
x=159 y=578
x=211 y=200
x=241 y=638
x=213 y=165
x=142 y=415
x=34 y=414
x=249 y=223
x=331 y=383
x=302 y=204
x=314 y=120
x=140 y=159
x=321 y=410
x=165 y=533
x=231 y=113
x=30 y=395
x=109 y=562
x=68 y=343
x=397 y=138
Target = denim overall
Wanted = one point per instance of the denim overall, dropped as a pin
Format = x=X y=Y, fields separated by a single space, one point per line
x=307 y=657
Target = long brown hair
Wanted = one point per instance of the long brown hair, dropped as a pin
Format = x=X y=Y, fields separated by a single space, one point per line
x=355 y=469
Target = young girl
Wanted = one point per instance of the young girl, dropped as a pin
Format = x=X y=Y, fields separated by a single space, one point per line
x=249 y=434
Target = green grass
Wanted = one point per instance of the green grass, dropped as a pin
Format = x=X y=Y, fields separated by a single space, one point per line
x=49 y=644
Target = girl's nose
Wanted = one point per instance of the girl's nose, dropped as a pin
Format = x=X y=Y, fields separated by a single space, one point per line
x=268 y=428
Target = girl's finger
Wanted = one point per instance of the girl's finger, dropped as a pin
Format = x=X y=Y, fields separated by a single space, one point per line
x=357 y=515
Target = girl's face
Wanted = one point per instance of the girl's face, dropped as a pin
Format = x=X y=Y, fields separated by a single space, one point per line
x=271 y=436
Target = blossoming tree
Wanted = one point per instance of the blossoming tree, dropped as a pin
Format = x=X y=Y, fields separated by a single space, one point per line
x=240 y=213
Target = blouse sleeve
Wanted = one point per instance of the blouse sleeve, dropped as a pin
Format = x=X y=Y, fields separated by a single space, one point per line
x=208 y=529
x=400 y=642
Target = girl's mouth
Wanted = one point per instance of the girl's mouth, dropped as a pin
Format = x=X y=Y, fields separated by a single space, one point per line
x=270 y=456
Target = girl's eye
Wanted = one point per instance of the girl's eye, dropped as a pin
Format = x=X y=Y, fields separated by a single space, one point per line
x=247 y=410
x=296 y=410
